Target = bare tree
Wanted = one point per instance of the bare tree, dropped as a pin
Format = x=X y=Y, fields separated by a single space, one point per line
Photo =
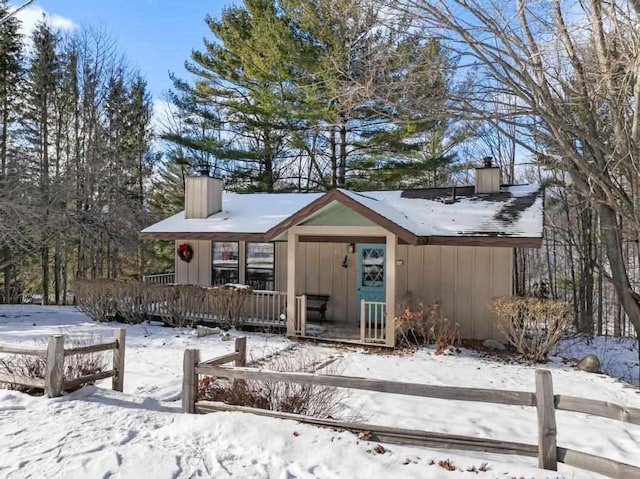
x=574 y=69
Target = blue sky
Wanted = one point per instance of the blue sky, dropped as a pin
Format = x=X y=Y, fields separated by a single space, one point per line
x=156 y=36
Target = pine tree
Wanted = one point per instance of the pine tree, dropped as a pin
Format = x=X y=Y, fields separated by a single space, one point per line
x=43 y=78
x=11 y=72
x=299 y=85
x=242 y=91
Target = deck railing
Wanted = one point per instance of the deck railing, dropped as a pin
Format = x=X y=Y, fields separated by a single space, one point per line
x=373 y=322
x=300 y=323
x=266 y=307
x=164 y=278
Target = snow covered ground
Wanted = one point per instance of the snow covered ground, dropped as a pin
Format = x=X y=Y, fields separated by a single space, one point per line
x=141 y=433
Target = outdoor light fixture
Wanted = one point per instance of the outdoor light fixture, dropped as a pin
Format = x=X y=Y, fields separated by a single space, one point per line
x=351 y=248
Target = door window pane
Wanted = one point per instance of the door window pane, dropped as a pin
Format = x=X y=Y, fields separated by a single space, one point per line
x=260 y=266
x=372 y=266
x=225 y=263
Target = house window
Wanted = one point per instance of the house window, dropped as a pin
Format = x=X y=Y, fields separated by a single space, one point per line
x=259 y=273
x=225 y=263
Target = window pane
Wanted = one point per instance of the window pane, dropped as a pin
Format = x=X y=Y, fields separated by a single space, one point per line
x=372 y=266
x=225 y=263
x=260 y=266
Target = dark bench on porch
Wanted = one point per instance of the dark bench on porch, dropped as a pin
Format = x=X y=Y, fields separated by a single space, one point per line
x=318 y=304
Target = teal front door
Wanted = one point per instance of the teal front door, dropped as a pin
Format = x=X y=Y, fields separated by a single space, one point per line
x=371 y=278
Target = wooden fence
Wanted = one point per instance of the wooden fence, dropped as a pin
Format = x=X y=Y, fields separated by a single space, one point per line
x=54 y=383
x=543 y=399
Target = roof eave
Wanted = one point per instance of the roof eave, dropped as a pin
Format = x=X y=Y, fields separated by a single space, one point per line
x=486 y=241
x=200 y=235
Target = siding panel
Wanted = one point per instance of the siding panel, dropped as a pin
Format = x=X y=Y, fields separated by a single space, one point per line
x=415 y=274
x=198 y=271
x=432 y=284
x=482 y=293
x=402 y=276
x=312 y=268
x=448 y=293
x=327 y=269
x=464 y=290
x=281 y=266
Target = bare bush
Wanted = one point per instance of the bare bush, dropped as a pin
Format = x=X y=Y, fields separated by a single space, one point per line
x=96 y=299
x=34 y=367
x=229 y=304
x=532 y=325
x=178 y=302
x=134 y=302
x=426 y=326
x=305 y=399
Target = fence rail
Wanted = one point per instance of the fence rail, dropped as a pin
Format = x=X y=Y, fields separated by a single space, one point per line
x=53 y=382
x=543 y=399
x=11 y=349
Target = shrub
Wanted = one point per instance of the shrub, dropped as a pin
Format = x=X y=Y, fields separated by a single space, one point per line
x=532 y=325
x=96 y=298
x=426 y=326
x=305 y=399
x=134 y=302
x=34 y=367
x=229 y=304
x=178 y=301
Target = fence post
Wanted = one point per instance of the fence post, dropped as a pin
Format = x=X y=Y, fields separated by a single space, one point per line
x=117 y=382
x=54 y=372
x=190 y=380
x=545 y=404
x=241 y=347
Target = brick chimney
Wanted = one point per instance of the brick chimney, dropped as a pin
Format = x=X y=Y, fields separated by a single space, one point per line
x=203 y=196
x=487 y=177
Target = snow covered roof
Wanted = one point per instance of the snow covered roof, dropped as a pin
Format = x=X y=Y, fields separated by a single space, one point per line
x=241 y=213
x=516 y=211
x=419 y=216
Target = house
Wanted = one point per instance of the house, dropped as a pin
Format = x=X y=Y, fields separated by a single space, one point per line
x=356 y=258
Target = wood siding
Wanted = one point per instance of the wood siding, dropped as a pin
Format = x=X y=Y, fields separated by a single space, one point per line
x=203 y=196
x=319 y=271
x=198 y=270
x=462 y=278
x=487 y=180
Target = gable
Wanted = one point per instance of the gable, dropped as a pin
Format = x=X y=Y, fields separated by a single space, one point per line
x=332 y=214
x=337 y=214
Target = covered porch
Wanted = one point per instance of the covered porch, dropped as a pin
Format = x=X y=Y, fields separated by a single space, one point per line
x=331 y=283
x=354 y=266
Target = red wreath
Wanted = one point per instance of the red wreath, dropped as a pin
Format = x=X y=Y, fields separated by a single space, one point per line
x=185 y=252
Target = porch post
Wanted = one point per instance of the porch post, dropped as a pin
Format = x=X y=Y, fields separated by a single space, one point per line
x=390 y=270
x=292 y=246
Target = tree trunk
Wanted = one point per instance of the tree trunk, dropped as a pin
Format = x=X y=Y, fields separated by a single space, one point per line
x=342 y=179
x=7 y=277
x=334 y=156
x=45 y=274
x=57 y=264
x=620 y=278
